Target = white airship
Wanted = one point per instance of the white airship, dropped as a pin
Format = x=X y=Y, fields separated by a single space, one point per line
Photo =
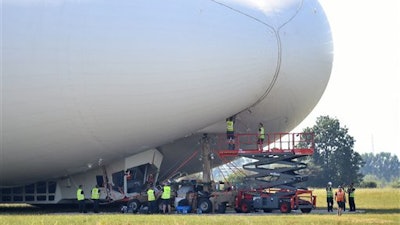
x=92 y=89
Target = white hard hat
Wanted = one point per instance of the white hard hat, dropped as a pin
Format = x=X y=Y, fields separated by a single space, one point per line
x=330 y=183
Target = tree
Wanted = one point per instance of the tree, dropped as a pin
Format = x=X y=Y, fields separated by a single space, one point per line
x=334 y=154
x=383 y=165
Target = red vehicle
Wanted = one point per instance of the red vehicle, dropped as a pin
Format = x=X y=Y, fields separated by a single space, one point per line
x=274 y=172
x=273 y=199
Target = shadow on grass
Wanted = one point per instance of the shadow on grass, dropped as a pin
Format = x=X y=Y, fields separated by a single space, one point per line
x=10 y=209
x=368 y=211
x=382 y=211
x=21 y=209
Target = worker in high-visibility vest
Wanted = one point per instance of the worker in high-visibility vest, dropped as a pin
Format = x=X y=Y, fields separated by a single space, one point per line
x=350 y=191
x=261 y=136
x=230 y=133
x=166 y=198
x=340 y=197
x=151 y=198
x=329 y=196
x=95 y=198
x=80 y=196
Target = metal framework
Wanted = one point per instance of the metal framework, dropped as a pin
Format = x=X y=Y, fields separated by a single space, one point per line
x=278 y=163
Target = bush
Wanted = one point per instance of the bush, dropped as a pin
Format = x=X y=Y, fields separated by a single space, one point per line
x=395 y=184
x=368 y=184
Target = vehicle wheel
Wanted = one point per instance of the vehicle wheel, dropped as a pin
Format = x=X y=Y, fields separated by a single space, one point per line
x=134 y=205
x=222 y=207
x=237 y=209
x=306 y=210
x=205 y=205
x=245 y=207
x=285 y=207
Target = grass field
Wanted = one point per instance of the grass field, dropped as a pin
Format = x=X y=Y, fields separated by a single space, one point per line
x=385 y=200
x=378 y=206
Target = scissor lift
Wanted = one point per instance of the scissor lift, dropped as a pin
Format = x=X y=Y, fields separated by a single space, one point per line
x=274 y=173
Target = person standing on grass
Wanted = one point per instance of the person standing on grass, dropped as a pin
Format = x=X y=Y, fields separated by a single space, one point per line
x=151 y=198
x=350 y=191
x=344 y=205
x=340 y=197
x=329 y=196
x=166 y=198
x=80 y=196
x=95 y=198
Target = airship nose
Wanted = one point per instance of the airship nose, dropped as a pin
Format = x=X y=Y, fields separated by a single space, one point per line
x=299 y=41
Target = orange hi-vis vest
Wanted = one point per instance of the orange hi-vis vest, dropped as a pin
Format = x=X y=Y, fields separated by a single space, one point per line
x=340 y=196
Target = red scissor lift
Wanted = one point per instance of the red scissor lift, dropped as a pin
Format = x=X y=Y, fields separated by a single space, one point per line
x=274 y=172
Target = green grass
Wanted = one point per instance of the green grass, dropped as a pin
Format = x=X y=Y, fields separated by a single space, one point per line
x=386 y=200
x=381 y=206
x=202 y=219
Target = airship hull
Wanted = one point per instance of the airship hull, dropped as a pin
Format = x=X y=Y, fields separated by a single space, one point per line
x=85 y=81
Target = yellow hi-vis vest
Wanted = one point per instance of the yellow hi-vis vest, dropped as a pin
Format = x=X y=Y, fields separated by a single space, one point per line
x=262 y=133
x=351 y=194
x=229 y=125
x=166 y=193
x=95 y=193
x=150 y=195
x=329 y=192
x=79 y=194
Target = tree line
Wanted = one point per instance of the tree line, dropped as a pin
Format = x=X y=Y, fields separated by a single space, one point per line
x=335 y=160
x=381 y=169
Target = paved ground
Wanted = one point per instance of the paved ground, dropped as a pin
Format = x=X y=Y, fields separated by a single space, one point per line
x=277 y=212
x=71 y=209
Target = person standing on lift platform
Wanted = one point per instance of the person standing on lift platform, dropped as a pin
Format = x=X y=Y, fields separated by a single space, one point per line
x=230 y=133
x=261 y=136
